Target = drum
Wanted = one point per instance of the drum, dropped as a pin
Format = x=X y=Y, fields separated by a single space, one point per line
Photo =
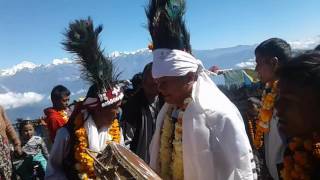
x=117 y=162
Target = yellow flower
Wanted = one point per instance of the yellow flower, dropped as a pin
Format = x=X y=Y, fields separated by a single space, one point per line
x=171 y=151
x=114 y=131
x=268 y=101
x=265 y=114
x=166 y=148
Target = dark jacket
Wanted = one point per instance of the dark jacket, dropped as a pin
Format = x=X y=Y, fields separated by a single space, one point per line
x=138 y=122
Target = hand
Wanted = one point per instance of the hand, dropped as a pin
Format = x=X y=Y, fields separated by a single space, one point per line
x=18 y=150
x=42 y=120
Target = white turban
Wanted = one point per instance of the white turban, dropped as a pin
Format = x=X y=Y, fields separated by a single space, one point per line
x=167 y=62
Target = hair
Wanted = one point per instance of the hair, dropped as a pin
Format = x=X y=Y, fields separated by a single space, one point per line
x=136 y=81
x=317 y=48
x=303 y=70
x=146 y=70
x=58 y=92
x=275 y=47
x=92 y=91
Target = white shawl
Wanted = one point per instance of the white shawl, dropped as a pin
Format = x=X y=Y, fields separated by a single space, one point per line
x=96 y=138
x=215 y=144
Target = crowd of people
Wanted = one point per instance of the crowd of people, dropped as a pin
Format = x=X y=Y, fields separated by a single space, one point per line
x=176 y=119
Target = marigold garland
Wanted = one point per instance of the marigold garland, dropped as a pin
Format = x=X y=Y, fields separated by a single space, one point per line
x=114 y=131
x=299 y=163
x=177 y=159
x=171 y=152
x=85 y=162
x=166 y=147
x=64 y=115
x=265 y=113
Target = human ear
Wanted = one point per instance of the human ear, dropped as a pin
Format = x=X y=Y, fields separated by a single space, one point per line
x=274 y=63
x=189 y=77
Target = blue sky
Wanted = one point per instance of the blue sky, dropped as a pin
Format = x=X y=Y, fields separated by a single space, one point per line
x=32 y=29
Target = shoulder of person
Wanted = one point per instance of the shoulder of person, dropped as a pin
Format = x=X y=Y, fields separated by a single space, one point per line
x=49 y=110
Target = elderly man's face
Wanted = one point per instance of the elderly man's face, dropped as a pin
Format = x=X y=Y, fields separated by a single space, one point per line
x=175 y=88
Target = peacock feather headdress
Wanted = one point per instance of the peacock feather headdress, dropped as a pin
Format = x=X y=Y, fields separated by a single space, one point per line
x=82 y=39
x=166 y=24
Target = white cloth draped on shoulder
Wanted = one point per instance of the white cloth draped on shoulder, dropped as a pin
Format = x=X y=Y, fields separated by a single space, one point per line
x=274 y=148
x=215 y=143
x=96 y=138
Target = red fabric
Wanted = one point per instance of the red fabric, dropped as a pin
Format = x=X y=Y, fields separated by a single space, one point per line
x=54 y=121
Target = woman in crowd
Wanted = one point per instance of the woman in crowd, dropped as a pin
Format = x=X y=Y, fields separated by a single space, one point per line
x=7 y=133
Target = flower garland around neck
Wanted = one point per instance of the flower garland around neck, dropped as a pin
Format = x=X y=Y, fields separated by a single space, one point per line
x=170 y=154
x=265 y=113
x=64 y=115
x=85 y=162
x=300 y=161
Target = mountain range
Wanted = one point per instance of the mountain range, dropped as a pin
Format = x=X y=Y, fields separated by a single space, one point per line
x=25 y=88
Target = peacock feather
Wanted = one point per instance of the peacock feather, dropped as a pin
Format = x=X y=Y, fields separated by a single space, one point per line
x=82 y=39
x=166 y=24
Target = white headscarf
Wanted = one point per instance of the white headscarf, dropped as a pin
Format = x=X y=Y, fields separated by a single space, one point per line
x=167 y=62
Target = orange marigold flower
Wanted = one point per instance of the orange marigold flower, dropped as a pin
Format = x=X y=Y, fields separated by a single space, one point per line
x=268 y=102
x=265 y=115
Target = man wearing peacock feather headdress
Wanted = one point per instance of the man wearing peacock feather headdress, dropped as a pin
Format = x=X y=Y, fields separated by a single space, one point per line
x=200 y=134
x=93 y=123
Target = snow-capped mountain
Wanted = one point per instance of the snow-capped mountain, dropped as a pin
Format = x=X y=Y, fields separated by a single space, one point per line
x=25 y=88
x=24 y=65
